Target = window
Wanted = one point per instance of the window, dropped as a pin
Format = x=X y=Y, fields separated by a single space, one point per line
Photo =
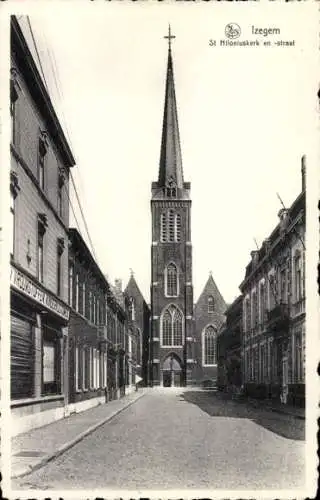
x=210 y=304
x=60 y=187
x=90 y=305
x=298 y=359
x=262 y=302
x=98 y=311
x=209 y=346
x=297 y=275
x=172 y=327
x=42 y=151
x=71 y=284
x=13 y=111
x=84 y=299
x=105 y=370
x=12 y=222
x=272 y=292
x=77 y=369
x=254 y=309
x=163 y=227
x=60 y=248
x=77 y=292
x=51 y=361
x=91 y=370
x=94 y=310
x=178 y=227
x=138 y=358
x=171 y=280
x=132 y=310
x=84 y=367
x=171 y=226
x=247 y=315
x=94 y=385
x=40 y=257
x=283 y=290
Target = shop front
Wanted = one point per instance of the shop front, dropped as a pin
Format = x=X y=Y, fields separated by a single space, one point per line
x=38 y=345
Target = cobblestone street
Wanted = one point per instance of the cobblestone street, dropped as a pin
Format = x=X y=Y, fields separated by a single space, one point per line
x=179 y=438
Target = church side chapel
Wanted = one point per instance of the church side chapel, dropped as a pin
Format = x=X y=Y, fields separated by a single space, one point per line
x=183 y=337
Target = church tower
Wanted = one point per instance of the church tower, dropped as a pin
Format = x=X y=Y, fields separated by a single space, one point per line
x=171 y=255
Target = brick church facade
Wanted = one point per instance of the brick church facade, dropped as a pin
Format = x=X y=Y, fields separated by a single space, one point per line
x=182 y=336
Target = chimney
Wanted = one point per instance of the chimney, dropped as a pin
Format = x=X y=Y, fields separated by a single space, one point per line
x=303 y=172
x=254 y=256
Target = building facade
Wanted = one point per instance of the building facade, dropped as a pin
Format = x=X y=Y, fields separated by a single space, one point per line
x=39 y=217
x=138 y=314
x=229 y=349
x=273 y=341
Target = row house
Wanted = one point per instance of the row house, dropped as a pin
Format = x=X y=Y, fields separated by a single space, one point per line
x=229 y=349
x=119 y=343
x=97 y=331
x=138 y=325
x=87 y=362
x=273 y=342
x=38 y=232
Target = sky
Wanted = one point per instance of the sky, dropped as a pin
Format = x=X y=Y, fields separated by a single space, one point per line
x=246 y=116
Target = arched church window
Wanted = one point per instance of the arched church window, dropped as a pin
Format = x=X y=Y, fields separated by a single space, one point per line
x=209 y=346
x=210 y=304
x=163 y=227
x=172 y=327
x=171 y=280
x=178 y=227
x=166 y=329
x=177 y=327
x=171 y=225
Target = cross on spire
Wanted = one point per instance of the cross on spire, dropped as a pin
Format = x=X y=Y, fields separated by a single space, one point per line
x=169 y=36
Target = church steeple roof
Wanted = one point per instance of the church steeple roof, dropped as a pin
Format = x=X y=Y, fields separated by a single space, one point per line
x=170 y=168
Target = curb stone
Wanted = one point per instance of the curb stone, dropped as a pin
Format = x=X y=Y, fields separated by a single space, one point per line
x=51 y=456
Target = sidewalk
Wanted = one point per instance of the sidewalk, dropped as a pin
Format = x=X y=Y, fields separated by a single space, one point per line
x=35 y=448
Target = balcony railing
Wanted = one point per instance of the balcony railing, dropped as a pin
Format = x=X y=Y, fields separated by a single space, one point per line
x=278 y=320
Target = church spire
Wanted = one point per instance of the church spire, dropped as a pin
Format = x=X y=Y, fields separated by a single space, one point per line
x=170 y=169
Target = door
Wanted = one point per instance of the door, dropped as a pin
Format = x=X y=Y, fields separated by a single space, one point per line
x=166 y=379
x=284 y=394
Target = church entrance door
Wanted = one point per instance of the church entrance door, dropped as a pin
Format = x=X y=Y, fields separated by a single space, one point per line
x=171 y=372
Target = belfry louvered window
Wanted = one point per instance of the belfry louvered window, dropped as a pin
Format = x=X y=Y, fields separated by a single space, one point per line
x=172 y=327
x=171 y=226
x=171 y=280
x=163 y=227
x=178 y=227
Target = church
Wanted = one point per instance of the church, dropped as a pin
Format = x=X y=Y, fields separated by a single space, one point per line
x=182 y=335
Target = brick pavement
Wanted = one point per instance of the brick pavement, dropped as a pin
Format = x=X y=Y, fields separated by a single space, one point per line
x=33 y=449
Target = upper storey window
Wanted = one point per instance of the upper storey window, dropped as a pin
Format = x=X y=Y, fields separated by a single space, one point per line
x=13 y=99
x=42 y=152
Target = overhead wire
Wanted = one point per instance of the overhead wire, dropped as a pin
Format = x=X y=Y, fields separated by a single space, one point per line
x=57 y=82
